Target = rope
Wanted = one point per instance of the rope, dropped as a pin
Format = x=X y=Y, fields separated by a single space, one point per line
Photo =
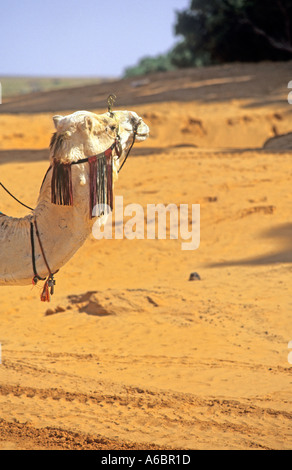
x=30 y=208
x=36 y=277
x=135 y=130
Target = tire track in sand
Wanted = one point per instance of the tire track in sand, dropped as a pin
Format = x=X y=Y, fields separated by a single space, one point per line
x=138 y=397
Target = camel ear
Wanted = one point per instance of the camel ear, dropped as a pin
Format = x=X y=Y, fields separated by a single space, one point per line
x=88 y=123
x=57 y=120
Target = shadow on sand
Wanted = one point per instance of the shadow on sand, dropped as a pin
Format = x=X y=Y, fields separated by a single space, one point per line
x=283 y=234
x=23 y=156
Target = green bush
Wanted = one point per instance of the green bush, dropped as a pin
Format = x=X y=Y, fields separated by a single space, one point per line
x=160 y=63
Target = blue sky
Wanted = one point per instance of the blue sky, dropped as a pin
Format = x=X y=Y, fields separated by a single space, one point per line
x=83 y=37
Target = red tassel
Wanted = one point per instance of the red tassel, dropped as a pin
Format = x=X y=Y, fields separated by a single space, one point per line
x=45 y=296
x=109 y=174
x=61 y=184
x=92 y=184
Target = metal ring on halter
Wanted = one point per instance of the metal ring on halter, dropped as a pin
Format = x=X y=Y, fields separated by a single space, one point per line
x=110 y=102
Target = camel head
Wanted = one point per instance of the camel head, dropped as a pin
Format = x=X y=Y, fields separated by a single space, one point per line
x=128 y=121
x=81 y=134
x=105 y=138
x=85 y=134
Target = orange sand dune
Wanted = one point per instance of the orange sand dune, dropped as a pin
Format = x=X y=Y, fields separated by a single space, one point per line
x=130 y=354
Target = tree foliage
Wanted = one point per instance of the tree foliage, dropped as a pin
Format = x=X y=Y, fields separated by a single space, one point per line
x=219 y=31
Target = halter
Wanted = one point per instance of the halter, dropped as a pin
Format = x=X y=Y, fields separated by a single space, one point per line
x=100 y=166
x=64 y=195
x=100 y=170
x=61 y=193
x=110 y=102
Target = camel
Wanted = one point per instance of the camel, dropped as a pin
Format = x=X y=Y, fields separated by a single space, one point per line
x=38 y=245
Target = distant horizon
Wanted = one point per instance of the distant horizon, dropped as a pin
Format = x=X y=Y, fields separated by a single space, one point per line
x=58 y=76
x=13 y=85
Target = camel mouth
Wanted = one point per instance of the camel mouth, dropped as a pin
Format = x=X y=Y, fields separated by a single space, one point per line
x=142 y=132
x=140 y=137
x=146 y=134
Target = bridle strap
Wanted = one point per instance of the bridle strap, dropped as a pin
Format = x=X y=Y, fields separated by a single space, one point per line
x=42 y=249
x=99 y=155
x=130 y=148
x=50 y=281
x=36 y=277
x=115 y=145
x=135 y=131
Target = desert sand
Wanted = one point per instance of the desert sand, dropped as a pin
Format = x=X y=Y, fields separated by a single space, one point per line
x=131 y=354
